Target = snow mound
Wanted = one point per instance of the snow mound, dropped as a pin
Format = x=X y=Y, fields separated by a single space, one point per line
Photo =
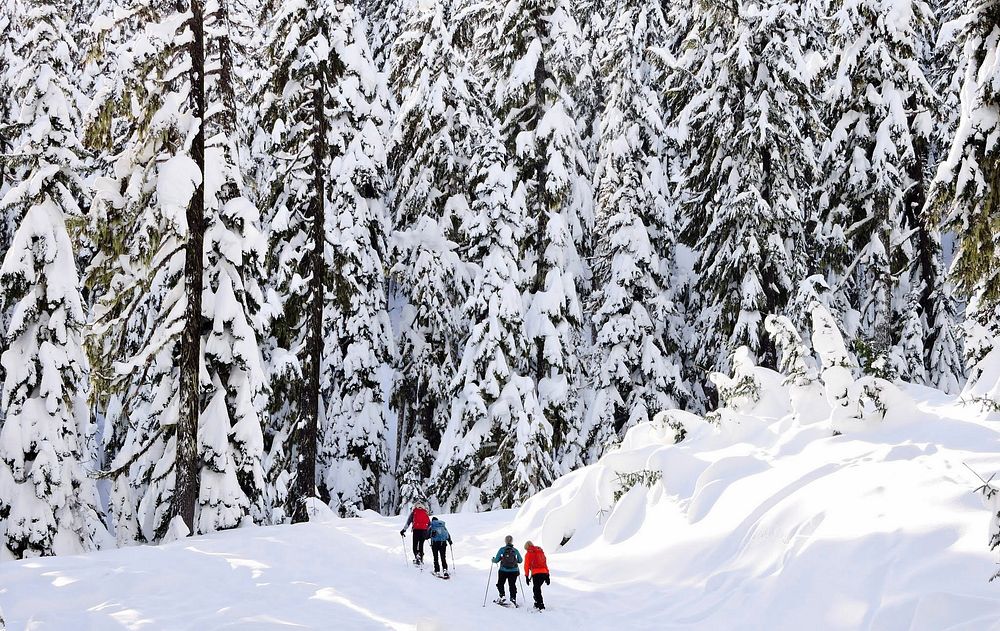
x=820 y=501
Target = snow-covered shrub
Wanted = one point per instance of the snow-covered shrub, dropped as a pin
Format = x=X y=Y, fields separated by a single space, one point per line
x=798 y=364
x=991 y=498
x=741 y=391
x=983 y=387
x=854 y=401
x=795 y=360
x=750 y=391
x=676 y=421
x=642 y=477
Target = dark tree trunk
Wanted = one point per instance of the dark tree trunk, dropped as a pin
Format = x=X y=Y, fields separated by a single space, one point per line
x=767 y=354
x=927 y=246
x=305 y=477
x=186 y=465
x=542 y=206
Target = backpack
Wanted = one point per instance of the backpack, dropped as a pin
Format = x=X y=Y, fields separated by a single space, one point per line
x=439 y=531
x=420 y=519
x=508 y=560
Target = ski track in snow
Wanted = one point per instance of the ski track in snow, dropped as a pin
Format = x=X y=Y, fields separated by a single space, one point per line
x=778 y=526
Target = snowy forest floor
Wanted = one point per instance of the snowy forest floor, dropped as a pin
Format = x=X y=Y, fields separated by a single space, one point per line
x=771 y=523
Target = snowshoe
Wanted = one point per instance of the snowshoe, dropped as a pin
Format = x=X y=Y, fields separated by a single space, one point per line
x=503 y=602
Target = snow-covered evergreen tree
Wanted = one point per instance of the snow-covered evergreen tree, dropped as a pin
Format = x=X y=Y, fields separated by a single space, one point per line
x=588 y=93
x=325 y=112
x=143 y=125
x=968 y=179
x=945 y=355
x=48 y=503
x=353 y=446
x=7 y=219
x=496 y=451
x=385 y=22
x=290 y=168
x=174 y=182
x=534 y=57
x=430 y=153
x=884 y=259
x=636 y=371
x=230 y=433
x=747 y=161
x=8 y=38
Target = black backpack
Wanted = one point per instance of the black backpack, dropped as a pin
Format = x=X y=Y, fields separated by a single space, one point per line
x=508 y=560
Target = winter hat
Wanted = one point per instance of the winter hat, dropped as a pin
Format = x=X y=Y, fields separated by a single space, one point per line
x=434 y=518
x=508 y=540
x=528 y=545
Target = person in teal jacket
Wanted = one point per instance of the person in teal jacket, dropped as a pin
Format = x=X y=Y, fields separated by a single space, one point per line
x=509 y=558
x=440 y=540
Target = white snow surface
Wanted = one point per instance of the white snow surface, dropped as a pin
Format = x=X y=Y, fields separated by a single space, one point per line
x=762 y=522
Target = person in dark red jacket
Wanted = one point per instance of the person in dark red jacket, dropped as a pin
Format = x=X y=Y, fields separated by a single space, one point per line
x=536 y=571
x=421 y=522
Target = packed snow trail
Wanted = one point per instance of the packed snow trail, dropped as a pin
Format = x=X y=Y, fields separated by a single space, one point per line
x=341 y=574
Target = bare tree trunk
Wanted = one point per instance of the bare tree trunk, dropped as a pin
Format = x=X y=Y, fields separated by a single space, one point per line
x=305 y=477
x=186 y=465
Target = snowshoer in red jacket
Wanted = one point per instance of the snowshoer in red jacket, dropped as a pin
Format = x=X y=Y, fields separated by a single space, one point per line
x=536 y=571
x=421 y=522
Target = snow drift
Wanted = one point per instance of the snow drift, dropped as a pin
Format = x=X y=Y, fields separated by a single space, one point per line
x=817 y=500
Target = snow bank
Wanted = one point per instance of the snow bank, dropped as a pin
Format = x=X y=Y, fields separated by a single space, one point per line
x=828 y=501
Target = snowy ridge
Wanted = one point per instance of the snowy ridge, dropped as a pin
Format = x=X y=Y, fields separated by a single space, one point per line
x=768 y=516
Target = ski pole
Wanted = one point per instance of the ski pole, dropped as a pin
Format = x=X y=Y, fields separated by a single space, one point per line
x=524 y=590
x=402 y=537
x=453 y=559
x=487 y=592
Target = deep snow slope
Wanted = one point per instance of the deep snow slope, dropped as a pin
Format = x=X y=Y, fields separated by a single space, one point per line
x=764 y=521
x=772 y=522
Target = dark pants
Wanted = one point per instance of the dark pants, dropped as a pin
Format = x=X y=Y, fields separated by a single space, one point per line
x=440 y=547
x=511 y=579
x=419 y=537
x=536 y=587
